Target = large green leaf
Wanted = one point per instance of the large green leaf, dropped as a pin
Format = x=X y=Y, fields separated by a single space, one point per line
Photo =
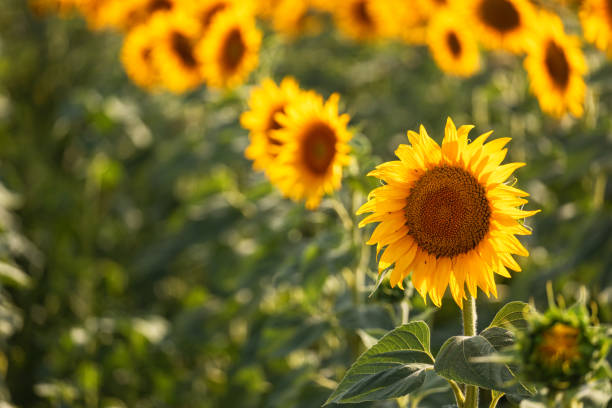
x=470 y=360
x=499 y=337
x=511 y=315
x=398 y=364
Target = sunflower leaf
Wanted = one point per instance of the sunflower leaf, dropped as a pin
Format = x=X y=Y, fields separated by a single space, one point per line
x=511 y=315
x=472 y=360
x=399 y=363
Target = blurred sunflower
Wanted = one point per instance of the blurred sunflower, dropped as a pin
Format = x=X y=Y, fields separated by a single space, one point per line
x=556 y=67
x=562 y=348
x=315 y=149
x=207 y=10
x=454 y=48
x=596 y=20
x=359 y=19
x=173 y=55
x=445 y=214
x=125 y=14
x=94 y=12
x=503 y=24
x=230 y=50
x=267 y=101
x=402 y=19
x=265 y=8
x=295 y=17
x=137 y=56
x=430 y=7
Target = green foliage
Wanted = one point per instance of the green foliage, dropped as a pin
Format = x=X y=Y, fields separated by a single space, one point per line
x=395 y=366
x=461 y=359
x=160 y=270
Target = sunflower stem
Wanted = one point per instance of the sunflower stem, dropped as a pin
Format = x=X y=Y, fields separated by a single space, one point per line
x=458 y=394
x=469 y=329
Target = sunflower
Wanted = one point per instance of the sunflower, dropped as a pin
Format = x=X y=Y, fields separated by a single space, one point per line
x=446 y=215
x=596 y=20
x=173 y=55
x=454 y=49
x=556 y=67
x=208 y=10
x=265 y=8
x=230 y=50
x=94 y=12
x=266 y=101
x=137 y=56
x=561 y=348
x=295 y=17
x=315 y=149
x=431 y=7
x=403 y=19
x=502 y=24
x=125 y=14
x=359 y=19
x=559 y=345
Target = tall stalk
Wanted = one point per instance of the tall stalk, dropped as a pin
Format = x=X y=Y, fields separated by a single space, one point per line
x=469 y=329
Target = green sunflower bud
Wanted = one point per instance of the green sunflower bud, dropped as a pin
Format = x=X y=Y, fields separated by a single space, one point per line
x=560 y=348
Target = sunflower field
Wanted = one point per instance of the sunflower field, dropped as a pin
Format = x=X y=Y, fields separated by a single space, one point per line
x=305 y=203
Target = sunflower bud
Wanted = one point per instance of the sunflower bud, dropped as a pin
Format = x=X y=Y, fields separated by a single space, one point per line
x=561 y=348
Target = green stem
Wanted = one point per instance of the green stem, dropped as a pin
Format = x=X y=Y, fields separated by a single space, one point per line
x=458 y=394
x=495 y=400
x=469 y=329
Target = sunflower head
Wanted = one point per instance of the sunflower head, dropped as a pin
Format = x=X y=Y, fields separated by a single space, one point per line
x=127 y=14
x=401 y=19
x=360 y=19
x=174 y=54
x=454 y=49
x=230 y=49
x=137 y=56
x=503 y=24
x=556 y=67
x=295 y=17
x=596 y=20
x=560 y=348
x=266 y=102
x=445 y=215
x=314 y=139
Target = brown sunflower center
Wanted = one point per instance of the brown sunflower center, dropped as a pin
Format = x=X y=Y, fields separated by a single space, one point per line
x=362 y=14
x=557 y=65
x=274 y=125
x=501 y=15
x=146 y=54
x=318 y=147
x=182 y=46
x=209 y=14
x=156 y=5
x=453 y=43
x=233 y=50
x=447 y=212
x=559 y=345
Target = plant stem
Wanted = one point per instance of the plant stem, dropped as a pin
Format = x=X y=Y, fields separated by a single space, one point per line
x=458 y=394
x=469 y=329
x=495 y=399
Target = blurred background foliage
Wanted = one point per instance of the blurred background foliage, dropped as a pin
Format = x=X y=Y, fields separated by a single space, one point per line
x=160 y=271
